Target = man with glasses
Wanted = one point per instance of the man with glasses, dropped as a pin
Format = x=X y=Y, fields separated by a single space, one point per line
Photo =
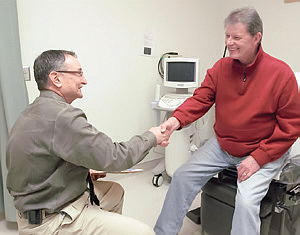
x=50 y=151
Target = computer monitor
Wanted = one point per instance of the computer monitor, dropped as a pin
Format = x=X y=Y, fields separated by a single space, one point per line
x=181 y=73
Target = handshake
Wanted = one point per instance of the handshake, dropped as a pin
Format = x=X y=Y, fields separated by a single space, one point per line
x=164 y=131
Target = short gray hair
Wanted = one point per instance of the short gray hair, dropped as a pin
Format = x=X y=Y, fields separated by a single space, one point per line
x=247 y=16
x=47 y=62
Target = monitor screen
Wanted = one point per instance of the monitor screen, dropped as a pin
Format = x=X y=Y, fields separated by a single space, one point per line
x=181 y=72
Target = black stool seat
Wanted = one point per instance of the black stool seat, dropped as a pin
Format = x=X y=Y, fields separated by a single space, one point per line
x=278 y=215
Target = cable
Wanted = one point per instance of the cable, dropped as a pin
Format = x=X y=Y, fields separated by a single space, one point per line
x=160 y=62
x=224 y=51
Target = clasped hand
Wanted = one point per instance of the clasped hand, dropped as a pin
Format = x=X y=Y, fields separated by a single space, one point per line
x=164 y=131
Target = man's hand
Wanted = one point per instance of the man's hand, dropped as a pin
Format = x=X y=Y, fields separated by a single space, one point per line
x=168 y=127
x=96 y=174
x=161 y=137
x=247 y=168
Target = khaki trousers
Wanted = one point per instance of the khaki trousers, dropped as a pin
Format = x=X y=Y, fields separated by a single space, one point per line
x=80 y=217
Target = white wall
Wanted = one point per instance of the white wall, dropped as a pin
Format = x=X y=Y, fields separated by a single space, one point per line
x=281 y=21
x=107 y=34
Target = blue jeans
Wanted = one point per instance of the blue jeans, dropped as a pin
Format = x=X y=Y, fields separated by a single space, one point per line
x=205 y=163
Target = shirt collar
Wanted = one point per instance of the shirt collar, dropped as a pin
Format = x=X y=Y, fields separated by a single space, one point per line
x=52 y=95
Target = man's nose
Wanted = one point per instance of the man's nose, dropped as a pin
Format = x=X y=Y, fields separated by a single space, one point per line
x=229 y=41
x=83 y=80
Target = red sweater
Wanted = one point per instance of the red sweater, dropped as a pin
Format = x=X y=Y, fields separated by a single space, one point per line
x=257 y=107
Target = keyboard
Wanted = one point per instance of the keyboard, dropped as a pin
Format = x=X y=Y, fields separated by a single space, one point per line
x=172 y=100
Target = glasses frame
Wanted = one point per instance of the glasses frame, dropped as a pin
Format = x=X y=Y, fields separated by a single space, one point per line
x=80 y=73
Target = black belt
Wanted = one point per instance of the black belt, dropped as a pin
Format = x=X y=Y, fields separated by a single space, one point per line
x=35 y=216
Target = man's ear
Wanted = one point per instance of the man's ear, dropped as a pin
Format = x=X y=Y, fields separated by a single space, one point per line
x=257 y=37
x=55 y=79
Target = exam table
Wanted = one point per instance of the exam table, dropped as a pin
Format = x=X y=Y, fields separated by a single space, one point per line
x=280 y=209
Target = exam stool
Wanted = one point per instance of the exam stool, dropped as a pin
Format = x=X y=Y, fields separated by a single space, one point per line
x=280 y=208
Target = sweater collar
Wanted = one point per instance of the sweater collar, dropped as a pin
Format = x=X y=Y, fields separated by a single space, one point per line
x=253 y=65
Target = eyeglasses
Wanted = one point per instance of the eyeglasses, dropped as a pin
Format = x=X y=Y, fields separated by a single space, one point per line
x=80 y=73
